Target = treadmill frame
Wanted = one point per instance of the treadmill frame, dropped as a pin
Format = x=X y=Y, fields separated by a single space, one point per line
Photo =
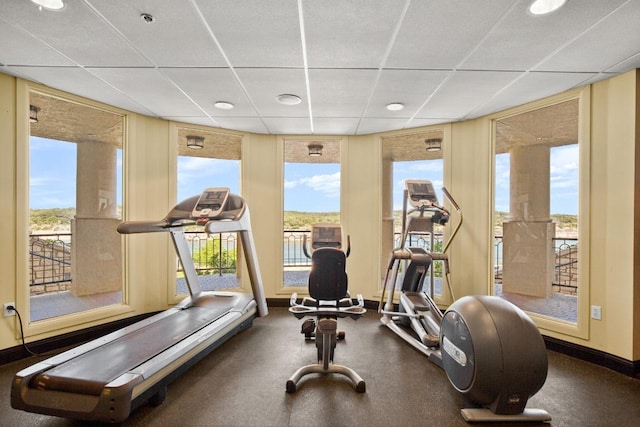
x=148 y=381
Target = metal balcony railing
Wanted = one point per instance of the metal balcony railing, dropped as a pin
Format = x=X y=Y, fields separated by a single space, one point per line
x=50 y=256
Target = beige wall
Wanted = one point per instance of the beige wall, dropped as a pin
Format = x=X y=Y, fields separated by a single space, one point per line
x=261 y=183
x=150 y=159
x=7 y=205
x=468 y=178
x=360 y=211
x=614 y=183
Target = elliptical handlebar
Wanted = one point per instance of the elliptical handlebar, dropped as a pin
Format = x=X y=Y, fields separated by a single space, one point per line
x=459 y=211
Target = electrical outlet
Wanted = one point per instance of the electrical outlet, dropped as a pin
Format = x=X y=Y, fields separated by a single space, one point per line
x=6 y=311
x=596 y=312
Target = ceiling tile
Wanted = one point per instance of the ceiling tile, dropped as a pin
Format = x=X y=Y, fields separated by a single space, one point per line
x=464 y=92
x=409 y=87
x=19 y=47
x=340 y=93
x=431 y=35
x=149 y=87
x=82 y=82
x=158 y=40
x=611 y=41
x=349 y=33
x=256 y=33
x=199 y=120
x=522 y=40
x=206 y=86
x=244 y=124
x=530 y=87
x=335 y=126
x=264 y=84
x=76 y=31
x=288 y=125
x=368 y=125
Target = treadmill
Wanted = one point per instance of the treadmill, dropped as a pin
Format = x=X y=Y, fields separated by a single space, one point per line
x=106 y=379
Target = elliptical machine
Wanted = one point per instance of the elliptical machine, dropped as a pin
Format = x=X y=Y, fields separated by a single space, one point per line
x=491 y=350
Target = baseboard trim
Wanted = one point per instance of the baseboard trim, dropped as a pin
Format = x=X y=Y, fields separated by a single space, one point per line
x=596 y=357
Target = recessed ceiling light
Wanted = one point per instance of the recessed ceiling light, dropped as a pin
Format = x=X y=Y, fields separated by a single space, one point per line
x=288 y=99
x=395 y=106
x=223 y=105
x=542 y=7
x=49 y=4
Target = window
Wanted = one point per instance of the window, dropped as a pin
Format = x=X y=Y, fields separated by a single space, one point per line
x=311 y=195
x=414 y=156
x=75 y=205
x=209 y=159
x=537 y=161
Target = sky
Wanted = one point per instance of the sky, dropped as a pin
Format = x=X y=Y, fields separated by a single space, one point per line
x=564 y=181
x=52 y=174
x=309 y=187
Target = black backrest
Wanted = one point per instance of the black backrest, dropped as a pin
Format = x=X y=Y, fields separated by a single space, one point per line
x=328 y=277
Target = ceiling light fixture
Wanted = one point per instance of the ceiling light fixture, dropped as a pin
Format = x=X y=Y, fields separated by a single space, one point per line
x=223 y=105
x=49 y=4
x=288 y=99
x=433 y=144
x=195 y=142
x=315 y=150
x=33 y=114
x=395 y=106
x=542 y=7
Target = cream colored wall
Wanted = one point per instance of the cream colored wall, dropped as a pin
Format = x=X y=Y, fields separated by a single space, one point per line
x=150 y=188
x=360 y=211
x=261 y=186
x=612 y=191
x=8 y=205
x=468 y=163
x=149 y=173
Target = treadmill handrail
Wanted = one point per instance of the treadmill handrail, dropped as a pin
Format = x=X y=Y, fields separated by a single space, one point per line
x=138 y=227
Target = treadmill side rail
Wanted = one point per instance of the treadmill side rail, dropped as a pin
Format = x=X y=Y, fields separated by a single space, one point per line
x=118 y=397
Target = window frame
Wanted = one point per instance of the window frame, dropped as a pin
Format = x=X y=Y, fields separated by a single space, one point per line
x=23 y=90
x=580 y=329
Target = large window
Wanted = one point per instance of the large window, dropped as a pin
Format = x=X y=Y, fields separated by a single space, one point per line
x=416 y=156
x=537 y=162
x=207 y=159
x=311 y=195
x=75 y=205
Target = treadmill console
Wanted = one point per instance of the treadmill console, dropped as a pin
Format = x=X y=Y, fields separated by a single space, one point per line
x=211 y=203
x=421 y=193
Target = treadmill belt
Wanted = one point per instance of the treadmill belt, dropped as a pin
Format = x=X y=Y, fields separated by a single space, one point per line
x=91 y=371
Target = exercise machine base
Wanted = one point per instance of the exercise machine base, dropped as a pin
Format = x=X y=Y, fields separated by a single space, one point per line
x=332 y=369
x=484 y=415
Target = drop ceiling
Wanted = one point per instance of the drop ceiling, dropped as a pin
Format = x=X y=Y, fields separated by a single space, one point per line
x=446 y=61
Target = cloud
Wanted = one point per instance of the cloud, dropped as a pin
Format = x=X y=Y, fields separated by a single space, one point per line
x=288 y=185
x=329 y=184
